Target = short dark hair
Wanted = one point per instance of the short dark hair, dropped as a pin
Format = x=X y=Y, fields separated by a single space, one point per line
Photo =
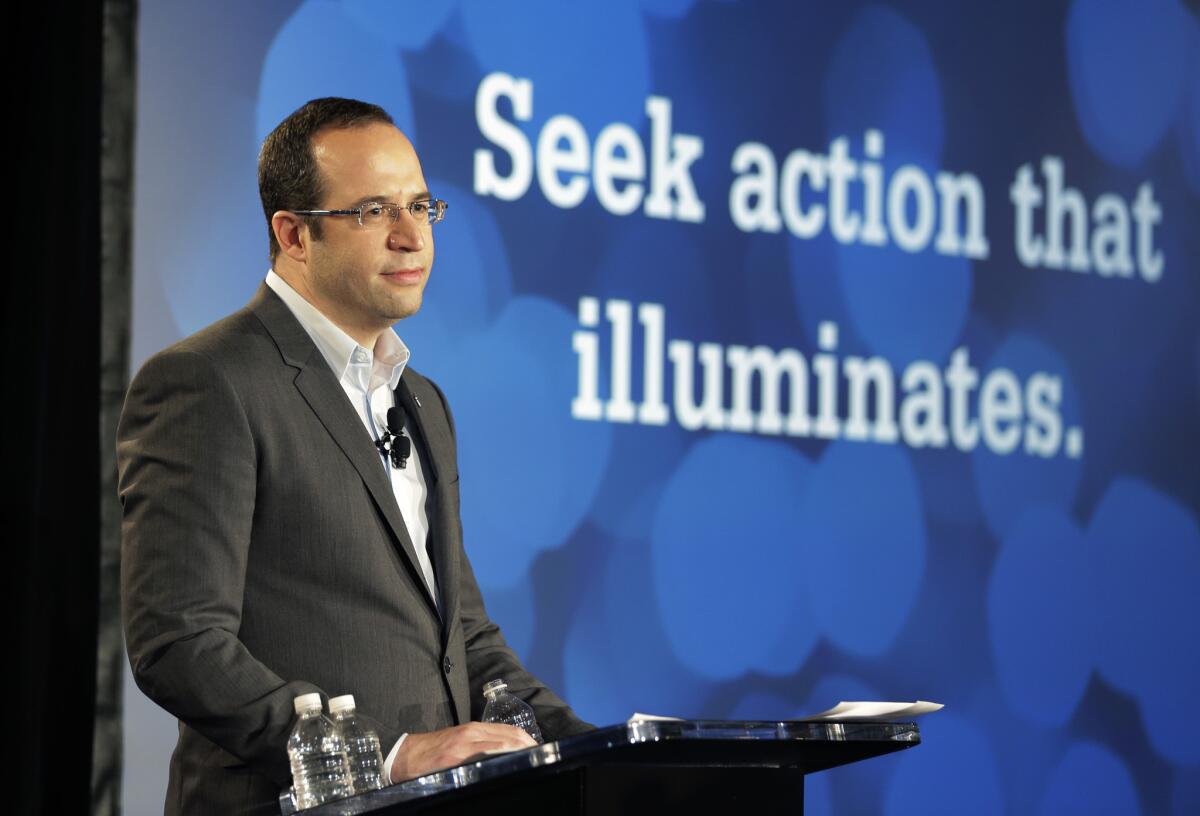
x=288 y=177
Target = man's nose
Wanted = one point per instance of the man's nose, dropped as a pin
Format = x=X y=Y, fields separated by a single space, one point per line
x=407 y=233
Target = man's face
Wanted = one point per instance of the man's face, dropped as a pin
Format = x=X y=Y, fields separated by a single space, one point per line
x=367 y=279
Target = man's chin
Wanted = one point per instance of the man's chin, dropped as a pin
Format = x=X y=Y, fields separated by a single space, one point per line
x=401 y=311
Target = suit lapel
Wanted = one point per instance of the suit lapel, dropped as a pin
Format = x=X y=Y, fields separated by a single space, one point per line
x=423 y=410
x=323 y=393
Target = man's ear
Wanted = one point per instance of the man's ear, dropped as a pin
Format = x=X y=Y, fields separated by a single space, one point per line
x=292 y=234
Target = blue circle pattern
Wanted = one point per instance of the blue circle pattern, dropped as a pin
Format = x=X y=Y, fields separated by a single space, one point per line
x=800 y=629
x=1009 y=483
x=1127 y=64
x=323 y=45
x=862 y=570
x=882 y=75
x=380 y=18
x=571 y=55
x=790 y=523
x=672 y=9
x=1149 y=554
x=513 y=384
x=1068 y=602
x=817 y=291
x=616 y=649
x=620 y=272
x=906 y=306
x=1189 y=131
x=728 y=550
x=1090 y=779
x=1042 y=616
x=644 y=457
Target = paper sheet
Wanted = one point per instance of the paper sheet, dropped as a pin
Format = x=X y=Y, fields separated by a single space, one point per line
x=861 y=711
x=637 y=717
x=871 y=711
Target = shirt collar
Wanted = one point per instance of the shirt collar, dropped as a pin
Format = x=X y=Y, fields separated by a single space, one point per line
x=370 y=368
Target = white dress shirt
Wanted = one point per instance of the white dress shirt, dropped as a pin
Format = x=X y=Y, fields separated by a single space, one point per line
x=362 y=374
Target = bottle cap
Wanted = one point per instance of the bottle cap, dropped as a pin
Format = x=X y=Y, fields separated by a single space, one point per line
x=336 y=704
x=494 y=685
x=306 y=702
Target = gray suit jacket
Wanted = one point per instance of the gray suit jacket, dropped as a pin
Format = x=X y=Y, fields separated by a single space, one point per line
x=264 y=556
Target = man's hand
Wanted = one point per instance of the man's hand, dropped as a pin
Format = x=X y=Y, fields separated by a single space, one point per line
x=423 y=753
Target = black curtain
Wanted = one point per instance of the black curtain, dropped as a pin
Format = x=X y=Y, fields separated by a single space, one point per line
x=51 y=398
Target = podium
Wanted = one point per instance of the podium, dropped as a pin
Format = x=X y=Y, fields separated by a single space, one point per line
x=644 y=766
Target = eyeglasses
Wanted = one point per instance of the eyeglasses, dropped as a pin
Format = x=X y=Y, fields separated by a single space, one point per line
x=377 y=214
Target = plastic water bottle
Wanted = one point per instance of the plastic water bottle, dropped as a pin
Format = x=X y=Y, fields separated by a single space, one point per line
x=362 y=745
x=503 y=707
x=320 y=768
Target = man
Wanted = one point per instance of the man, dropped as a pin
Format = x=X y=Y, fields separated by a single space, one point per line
x=271 y=547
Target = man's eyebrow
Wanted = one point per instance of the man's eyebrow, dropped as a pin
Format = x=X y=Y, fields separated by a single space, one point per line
x=382 y=198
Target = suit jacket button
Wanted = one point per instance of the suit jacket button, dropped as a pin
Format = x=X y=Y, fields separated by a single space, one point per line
x=447 y=664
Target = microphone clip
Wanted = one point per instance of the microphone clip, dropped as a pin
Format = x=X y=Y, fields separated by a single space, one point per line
x=394 y=444
x=398 y=448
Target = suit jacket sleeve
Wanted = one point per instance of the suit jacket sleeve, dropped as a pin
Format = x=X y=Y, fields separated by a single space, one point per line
x=489 y=656
x=188 y=477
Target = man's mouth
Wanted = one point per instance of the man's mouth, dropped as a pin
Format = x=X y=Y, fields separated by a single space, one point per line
x=405 y=276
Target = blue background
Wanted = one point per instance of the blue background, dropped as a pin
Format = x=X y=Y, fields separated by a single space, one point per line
x=1049 y=603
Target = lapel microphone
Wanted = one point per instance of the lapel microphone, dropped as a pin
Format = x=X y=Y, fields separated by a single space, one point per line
x=394 y=443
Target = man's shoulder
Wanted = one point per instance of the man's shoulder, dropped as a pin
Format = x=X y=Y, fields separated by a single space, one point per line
x=239 y=342
x=228 y=337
